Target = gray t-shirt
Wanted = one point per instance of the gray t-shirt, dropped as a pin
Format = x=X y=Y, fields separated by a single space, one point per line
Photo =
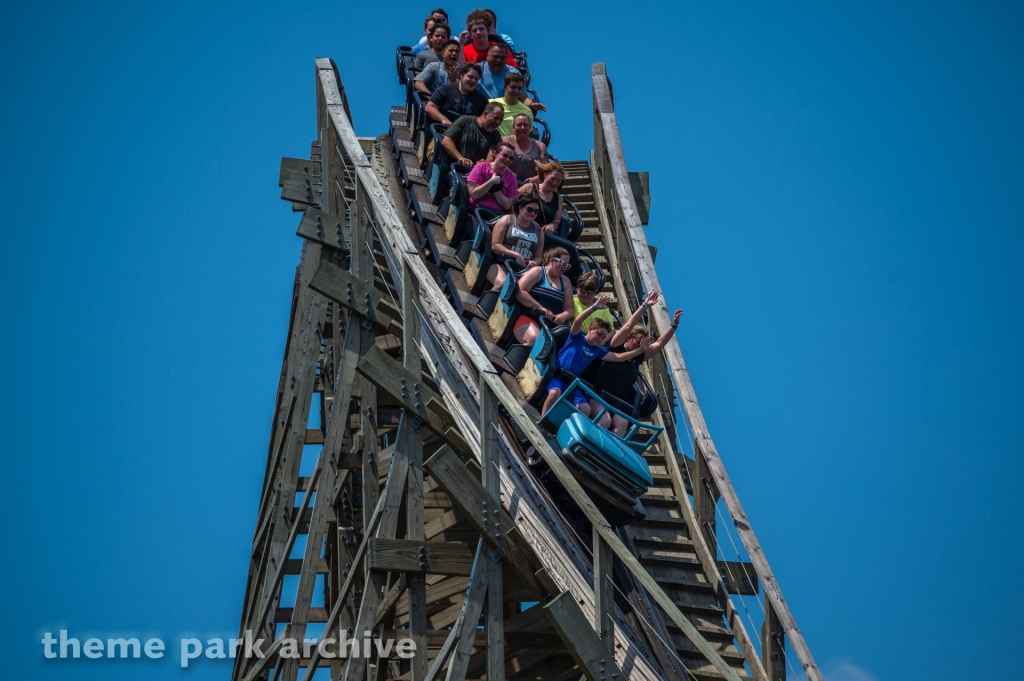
x=423 y=58
x=434 y=75
x=473 y=141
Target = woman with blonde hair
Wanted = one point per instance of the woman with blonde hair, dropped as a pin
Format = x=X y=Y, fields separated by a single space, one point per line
x=545 y=187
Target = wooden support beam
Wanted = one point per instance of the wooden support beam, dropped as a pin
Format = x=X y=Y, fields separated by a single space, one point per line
x=604 y=595
x=607 y=126
x=409 y=555
x=414 y=488
x=490 y=475
x=391 y=503
x=705 y=496
x=585 y=646
x=387 y=505
x=485 y=514
x=326 y=229
x=353 y=293
x=302 y=188
x=464 y=631
x=297 y=165
x=409 y=390
x=773 y=644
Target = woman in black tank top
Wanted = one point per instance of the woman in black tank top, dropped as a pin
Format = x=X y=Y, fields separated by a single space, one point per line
x=618 y=379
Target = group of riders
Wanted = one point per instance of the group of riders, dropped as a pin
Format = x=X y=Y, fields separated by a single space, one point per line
x=477 y=90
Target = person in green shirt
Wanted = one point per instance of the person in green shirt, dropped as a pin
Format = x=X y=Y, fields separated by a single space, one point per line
x=586 y=288
x=514 y=103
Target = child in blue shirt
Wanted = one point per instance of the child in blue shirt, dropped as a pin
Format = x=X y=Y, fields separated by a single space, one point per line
x=582 y=349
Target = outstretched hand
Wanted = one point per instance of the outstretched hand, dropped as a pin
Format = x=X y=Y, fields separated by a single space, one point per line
x=651 y=298
x=676 y=316
x=601 y=302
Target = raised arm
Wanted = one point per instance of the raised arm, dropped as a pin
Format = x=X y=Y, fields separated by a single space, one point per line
x=600 y=303
x=623 y=356
x=620 y=336
x=657 y=346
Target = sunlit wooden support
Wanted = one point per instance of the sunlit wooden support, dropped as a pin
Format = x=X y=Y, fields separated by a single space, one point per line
x=586 y=647
x=417 y=588
x=705 y=496
x=490 y=468
x=621 y=205
x=773 y=645
x=604 y=593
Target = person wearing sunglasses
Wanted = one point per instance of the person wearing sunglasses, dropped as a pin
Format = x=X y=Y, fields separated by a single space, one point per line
x=491 y=184
x=587 y=285
x=544 y=292
x=619 y=379
x=516 y=239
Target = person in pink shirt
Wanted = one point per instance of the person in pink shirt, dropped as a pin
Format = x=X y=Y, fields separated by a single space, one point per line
x=492 y=184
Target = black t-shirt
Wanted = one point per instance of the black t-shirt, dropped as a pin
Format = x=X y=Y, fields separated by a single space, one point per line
x=618 y=377
x=453 y=103
x=473 y=141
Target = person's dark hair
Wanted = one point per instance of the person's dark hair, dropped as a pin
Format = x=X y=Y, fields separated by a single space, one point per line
x=441 y=11
x=452 y=41
x=478 y=16
x=525 y=200
x=493 y=16
x=514 y=77
x=426 y=22
x=444 y=27
x=499 y=46
x=598 y=323
x=556 y=252
x=469 y=66
x=493 y=106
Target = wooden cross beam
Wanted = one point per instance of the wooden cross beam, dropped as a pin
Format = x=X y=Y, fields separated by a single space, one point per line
x=408 y=555
x=409 y=390
x=353 y=293
x=330 y=230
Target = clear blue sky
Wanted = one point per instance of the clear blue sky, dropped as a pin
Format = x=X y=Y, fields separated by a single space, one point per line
x=837 y=202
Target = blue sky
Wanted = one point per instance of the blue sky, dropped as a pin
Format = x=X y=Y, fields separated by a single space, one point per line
x=837 y=202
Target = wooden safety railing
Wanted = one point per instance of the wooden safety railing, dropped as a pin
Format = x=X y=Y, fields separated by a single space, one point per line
x=622 y=218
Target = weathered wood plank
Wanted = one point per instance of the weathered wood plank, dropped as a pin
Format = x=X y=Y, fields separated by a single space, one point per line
x=353 y=293
x=408 y=555
x=587 y=648
x=326 y=229
x=605 y=116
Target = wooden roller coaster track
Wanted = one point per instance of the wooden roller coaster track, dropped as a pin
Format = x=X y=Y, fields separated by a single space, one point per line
x=419 y=517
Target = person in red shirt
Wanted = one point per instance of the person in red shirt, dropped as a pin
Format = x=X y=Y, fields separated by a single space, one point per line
x=476 y=41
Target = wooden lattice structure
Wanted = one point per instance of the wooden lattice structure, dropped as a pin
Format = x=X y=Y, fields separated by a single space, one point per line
x=421 y=520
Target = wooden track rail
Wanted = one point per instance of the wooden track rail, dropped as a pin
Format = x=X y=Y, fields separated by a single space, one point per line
x=397 y=504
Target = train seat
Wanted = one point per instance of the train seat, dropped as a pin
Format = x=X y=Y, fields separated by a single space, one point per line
x=455 y=208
